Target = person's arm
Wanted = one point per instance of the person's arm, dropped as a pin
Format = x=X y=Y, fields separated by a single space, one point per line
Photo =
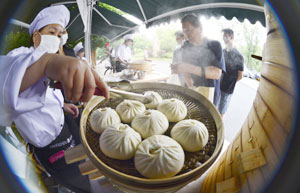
x=188 y=80
x=211 y=72
x=241 y=69
x=240 y=75
x=71 y=108
x=118 y=54
x=121 y=60
x=77 y=78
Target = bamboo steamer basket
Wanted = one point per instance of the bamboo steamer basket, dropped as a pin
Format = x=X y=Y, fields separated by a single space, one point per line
x=254 y=156
x=122 y=174
x=141 y=65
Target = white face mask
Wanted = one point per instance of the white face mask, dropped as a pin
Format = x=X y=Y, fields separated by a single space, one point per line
x=49 y=43
x=63 y=39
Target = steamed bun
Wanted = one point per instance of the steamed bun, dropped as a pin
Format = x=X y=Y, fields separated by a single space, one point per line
x=119 y=142
x=156 y=99
x=191 y=134
x=128 y=109
x=103 y=118
x=151 y=122
x=159 y=156
x=174 y=109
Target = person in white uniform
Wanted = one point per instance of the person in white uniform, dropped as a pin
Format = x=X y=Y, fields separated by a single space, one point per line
x=79 y=51
x=34 y=107
x=123 y=53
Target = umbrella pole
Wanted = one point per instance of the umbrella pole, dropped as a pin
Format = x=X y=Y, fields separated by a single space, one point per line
x=87 y=43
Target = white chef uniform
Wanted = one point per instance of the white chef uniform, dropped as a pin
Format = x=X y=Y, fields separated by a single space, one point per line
x=37 y=111
x=123 y=52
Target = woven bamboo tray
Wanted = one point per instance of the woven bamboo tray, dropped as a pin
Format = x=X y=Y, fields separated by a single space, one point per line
x=124 y=174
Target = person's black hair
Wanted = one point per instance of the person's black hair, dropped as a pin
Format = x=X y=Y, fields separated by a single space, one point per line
x=228 y=31
x=31 y=37
x=192 y=19
x=69 y=51
x=179 y=34
x=129 y=40
x=81 y=50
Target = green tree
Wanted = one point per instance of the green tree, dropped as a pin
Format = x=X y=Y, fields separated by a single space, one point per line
x=167 y=39
x=251 y=47
x=97 y=41
x=14 y=40
x=111 y=8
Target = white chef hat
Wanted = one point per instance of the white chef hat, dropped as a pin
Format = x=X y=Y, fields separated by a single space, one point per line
x=50 y=15
x=78 y=47
x=128 y=37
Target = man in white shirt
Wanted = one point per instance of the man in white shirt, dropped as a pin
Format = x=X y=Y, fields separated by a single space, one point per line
x=123 y=53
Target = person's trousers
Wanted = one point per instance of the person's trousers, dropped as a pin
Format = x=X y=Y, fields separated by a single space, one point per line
x=65 y=174
x=120 y=66
x=208 y=92
x=224 y=102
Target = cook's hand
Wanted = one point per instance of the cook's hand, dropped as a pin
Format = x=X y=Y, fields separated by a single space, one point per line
x=78 y=79
x=71 y=108
x=101 y=84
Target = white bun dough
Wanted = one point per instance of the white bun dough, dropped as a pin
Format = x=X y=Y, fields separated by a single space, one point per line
x=128 y=109
x=151 y=122
x=156 y=99
x=159 y=156
x=103 y=118
x=191 y=134
x=174 y=109
x=120 y=142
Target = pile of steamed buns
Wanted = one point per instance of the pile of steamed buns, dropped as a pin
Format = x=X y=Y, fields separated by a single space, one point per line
x=155 y=155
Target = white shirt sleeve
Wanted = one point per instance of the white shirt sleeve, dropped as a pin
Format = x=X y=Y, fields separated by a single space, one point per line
x=123 y=52
x=37 y=111
x=12 y=70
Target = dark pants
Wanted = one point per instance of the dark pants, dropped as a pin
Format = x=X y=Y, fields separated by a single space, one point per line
x=120 y=66
x=74 y=124
x=65 y=174
x=217 y=93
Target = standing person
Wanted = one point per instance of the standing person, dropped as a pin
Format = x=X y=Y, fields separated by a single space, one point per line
x=110 y=53
x=177 y=54
x=79 y=51
x=234 y=62
x=179 y=39
x=202 y=62
x=123 y=53
x=38 y=110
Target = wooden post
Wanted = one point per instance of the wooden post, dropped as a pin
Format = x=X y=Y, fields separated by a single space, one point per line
x=75 y=154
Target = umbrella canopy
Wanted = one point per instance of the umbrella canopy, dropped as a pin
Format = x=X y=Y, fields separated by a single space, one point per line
x=112 y=25
x=157 y=11
x=104 y=22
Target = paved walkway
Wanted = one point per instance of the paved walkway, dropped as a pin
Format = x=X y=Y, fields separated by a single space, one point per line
x=239 y=107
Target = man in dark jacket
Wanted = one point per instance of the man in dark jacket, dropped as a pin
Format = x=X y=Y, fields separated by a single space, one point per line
x=202 y=59
x=234 y=62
